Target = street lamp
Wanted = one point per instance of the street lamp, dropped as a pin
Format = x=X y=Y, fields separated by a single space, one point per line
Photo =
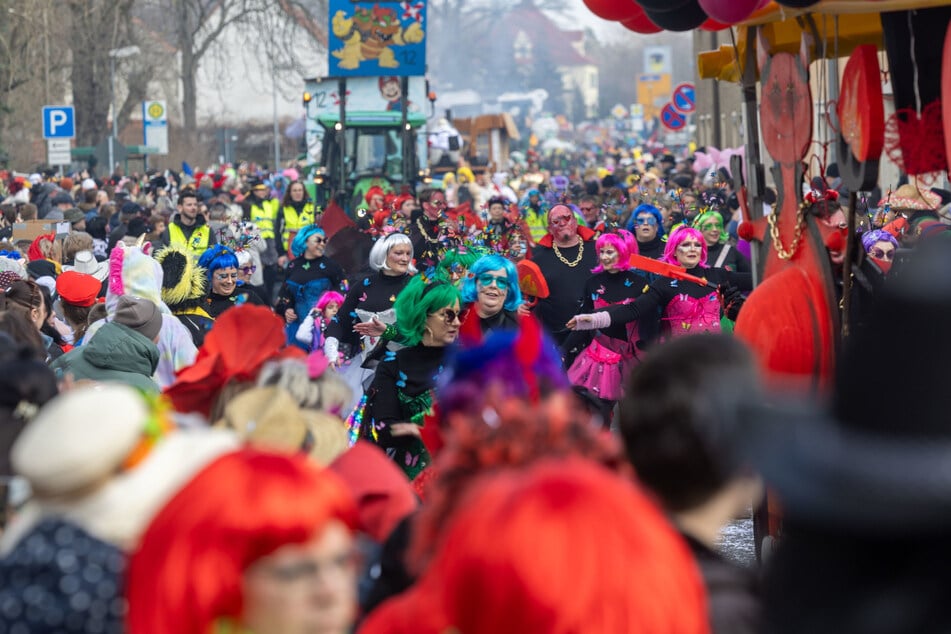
x=114 y=54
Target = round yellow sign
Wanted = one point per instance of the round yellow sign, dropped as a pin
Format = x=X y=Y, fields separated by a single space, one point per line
x=156 y=110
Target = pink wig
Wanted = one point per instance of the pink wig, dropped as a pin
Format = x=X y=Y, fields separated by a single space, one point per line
x=637 y=576
x=187 y=572
x=620 y=245
x=326 y=298
x=678 y=236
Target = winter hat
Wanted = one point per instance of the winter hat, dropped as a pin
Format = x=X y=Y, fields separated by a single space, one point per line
x=62 y=198
x=89 y=184
x=182 y=279
x=141 y=315
x=15 y=266
x=78 y=289
x=72 y=216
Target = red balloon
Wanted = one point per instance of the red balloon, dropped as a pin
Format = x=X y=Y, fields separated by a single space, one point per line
x=729 y=11
x=613 y=9
x=641 y=24
x=713 y=25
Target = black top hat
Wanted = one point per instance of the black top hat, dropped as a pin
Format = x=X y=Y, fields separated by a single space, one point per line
x=880 y=460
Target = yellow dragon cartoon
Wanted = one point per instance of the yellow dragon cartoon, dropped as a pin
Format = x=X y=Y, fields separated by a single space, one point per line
x=370 y=34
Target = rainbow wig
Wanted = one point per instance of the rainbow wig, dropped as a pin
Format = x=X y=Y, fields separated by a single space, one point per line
x=649 y=209
x=470 y=291
x=328 y=297
x=622 y=247
x=679 y=235
x=707 y=217
x=418 y=300
x=381 y=248
x=186 y=576
x=217 y=257
x=487 y=576
x=869 y=238
x=300 y=240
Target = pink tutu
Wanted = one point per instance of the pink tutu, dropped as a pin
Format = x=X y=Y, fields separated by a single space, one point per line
x=603 y=367
x=687 y=315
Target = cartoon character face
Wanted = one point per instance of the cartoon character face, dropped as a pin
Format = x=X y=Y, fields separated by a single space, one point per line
x=390 y=90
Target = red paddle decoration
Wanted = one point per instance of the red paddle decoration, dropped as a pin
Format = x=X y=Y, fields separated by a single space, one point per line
x=667 y=270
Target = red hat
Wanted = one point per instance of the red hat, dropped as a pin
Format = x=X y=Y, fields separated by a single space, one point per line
x=78 y=289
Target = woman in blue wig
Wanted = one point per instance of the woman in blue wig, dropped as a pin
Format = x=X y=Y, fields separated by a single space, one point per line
x=225 y=290
x=647 y=225
x=307 y=277
x=492 y=296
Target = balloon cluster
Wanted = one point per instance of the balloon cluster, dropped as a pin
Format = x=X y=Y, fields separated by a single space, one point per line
x=653 y=16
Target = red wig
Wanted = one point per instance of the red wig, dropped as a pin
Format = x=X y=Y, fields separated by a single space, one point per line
x=187 y=571
x=563 y=547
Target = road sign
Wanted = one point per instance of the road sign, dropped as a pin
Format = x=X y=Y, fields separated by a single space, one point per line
x=155 y=125
x=59 y=122
x=653 y=91
x=619 y=111
x=672 y=119
x=58 y=152
x=684 y=98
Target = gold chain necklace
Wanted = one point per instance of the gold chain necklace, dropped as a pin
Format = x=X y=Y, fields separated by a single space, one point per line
x=564 y=259
x=781 y=252
x=419 y=223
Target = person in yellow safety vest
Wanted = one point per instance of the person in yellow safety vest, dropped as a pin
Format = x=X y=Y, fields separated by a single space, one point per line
x=297 y=212
x=188 y=228
x=263 y=210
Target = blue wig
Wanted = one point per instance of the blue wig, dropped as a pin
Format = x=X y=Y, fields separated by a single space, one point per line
x=491 y=263
x=217 y=257
x=648 y=209
x=300 y=240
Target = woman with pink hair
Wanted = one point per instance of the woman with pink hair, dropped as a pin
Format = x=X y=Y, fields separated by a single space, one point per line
x=692 y=301
x=604 y=361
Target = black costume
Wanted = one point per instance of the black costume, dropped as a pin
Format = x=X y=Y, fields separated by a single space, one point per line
x=428 y=241
x=217 y=304
x=565 y=284
x=652 y=249
x=733 y=260
x=374 y=293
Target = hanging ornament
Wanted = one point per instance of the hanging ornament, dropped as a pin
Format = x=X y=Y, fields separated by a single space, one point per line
x=729 y=11
x=613 y=9
x=686 y=17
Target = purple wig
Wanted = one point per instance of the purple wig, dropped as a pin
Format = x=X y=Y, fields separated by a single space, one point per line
x=869 y=238
x=620 y=245
x=677 y=237
x=326 y=298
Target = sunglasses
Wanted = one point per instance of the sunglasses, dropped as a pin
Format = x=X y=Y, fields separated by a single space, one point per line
x=319 y=240
x=686 y=246
x=226 y=276
x=645 y=220
x=887 y=255
x=248 y=270
x=450 y=316
x=560 y=221
x=487 y=279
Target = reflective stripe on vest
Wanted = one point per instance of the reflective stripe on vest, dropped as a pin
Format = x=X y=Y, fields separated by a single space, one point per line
x=263 y=215
x=196 y=245
x=294 y=223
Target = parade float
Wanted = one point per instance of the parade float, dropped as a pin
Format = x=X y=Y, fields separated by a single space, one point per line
x=800 y=311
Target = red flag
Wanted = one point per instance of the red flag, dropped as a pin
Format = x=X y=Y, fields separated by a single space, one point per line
x=335 y=219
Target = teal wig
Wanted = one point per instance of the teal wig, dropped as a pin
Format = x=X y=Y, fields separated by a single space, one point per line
x=300 y=240
x=217 y=257
x=417 y=301
x=470 y=291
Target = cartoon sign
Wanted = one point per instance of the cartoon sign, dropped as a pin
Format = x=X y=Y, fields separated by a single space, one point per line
x=386 y=37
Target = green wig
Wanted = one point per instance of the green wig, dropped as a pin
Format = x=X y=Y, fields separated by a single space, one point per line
x=454 y=259
x=418 y=300
x=709 y=216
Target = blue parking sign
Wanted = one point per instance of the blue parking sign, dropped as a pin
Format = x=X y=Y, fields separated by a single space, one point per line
x=59 y=122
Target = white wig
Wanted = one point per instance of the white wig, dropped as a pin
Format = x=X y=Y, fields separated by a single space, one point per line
x=382 y=247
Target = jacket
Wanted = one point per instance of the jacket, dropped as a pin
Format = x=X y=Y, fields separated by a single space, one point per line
x=115 y=354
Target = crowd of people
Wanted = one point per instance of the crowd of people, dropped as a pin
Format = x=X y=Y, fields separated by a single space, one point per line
x=499 y=403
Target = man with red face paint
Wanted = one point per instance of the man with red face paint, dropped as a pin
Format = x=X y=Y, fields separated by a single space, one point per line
x=565 y=256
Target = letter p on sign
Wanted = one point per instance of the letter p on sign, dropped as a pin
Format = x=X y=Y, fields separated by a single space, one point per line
x=59 y=122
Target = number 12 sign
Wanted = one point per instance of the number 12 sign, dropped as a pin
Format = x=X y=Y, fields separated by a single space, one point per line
x=369 y=39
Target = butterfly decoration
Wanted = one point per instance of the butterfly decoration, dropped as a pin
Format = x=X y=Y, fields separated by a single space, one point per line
x=673 y=283
x=411 y=460
x=306 y=266
x=389 y=356
x=594 y=296
x=353 y=314
x=362 y=298
x=601 y=290
x=628 y=282
x=322 y=265
x=392 y=298
x=402 y=381
x=366 y=281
